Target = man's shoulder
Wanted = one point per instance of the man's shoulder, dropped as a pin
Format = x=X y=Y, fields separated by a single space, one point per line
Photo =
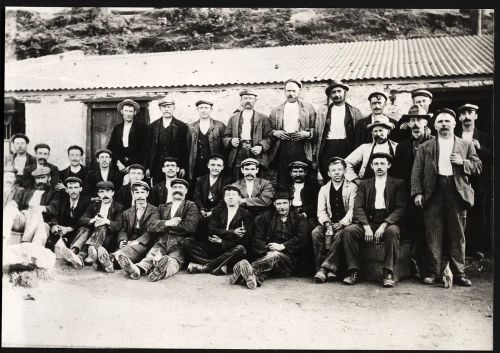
x=260 y=115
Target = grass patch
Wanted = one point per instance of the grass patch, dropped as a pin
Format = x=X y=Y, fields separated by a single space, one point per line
x=28 y=279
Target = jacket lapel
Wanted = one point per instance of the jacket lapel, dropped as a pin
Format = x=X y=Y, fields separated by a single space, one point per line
x=236 y=219
x=279 y=117
x=389 y=186
x=175 y=127
x=179 y=211
x=212 y=125
x=302 y=115
x=132 y=214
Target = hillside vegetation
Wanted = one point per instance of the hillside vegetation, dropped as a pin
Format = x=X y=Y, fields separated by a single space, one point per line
x=96 y=31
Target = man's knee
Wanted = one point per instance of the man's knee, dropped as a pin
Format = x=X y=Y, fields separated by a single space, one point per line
x=392 y=233
x=318 y=234
x=240 y=249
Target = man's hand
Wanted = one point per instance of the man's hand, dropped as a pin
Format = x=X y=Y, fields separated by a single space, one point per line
x=337 y=226
x=148 y=173
x=101 y=222
x=214 y=239
x=300 y=135
x=281 y=134
x=344 y=223
x=256 y=150
x=476 y=144
x=120 y=166
x=419 y=200
x=368 y=234
x=457 y=159
x=240 y=232
x=404 y=126
x=173 y=222
x=65 y=230
x=55 y=229
x=235 y=142
x=379 y=232
x=276 y=247
x=182 y=172
x=122 y=244
x=60 y=186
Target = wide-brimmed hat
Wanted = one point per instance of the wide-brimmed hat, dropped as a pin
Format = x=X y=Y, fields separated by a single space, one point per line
x=334 y=84
x=381 y=121
x=415 y=111
x=136 y=105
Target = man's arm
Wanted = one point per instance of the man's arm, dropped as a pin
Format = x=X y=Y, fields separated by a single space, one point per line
x=347 y=219
x=265 y=197
x=401 y=199
x=266 y=134
x=298 y=240
x=417 y=173
x=472 y=164
x=197 y=195
x=359 y=214
x=353 y=161
x=228 y=134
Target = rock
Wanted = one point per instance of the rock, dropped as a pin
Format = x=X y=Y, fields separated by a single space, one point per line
x=26 y=257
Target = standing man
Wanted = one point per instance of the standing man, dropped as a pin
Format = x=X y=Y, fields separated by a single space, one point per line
x=423 y=99
x=124 y=196
x=162 y=192
x=440 y=185
x=417 y=121
x=204 y=138
x=42 y=154
x=75 y=169
x=247 y=134
x=128 y=138
x=292 y=124
x=229 y=232
x=167 y=137
x=478 y=240
x=279 y=236
x=379 y=207
x=378 y=101
x=361 y=156
x=21 y=158
x=256 y=193
x=335 y=211
x=335 y=128
x=103 y=172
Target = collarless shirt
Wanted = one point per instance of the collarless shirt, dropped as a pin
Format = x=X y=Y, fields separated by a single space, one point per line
x=204 y=125
x=379 y=192
x=445 y=150
x=249 y=185
x=73 y=203
x=231 y=212
x=126 y=131
x=105 y=174
x=175 y=207
x=169 y=192
x=20 y=163
x=291 y=117
x=246 y=126
x=337 y=128
x=36 y=198
x=104 y=209
x=297 y=201
x=468 y=135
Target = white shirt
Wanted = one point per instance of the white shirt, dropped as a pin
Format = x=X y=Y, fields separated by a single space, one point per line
x=204 y=125
x=379 y=192
x=75 y=169
x=126 y=131
x=445 y=150
x=166 y=122
x=468 y=135
x=169 y=191
x=249 y=185
x=104 y=174
x=382 y=148
x=246 y=126
x=291 y=117
x=231 y=211
x=337 y=128
x=296 y=194
x=20 y=163
x=36 y=198
x=175 y=207
x=73 y=203
x=103 y=211
x=211 y=181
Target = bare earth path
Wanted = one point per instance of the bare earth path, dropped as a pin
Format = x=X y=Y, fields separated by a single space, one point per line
x=93 y=309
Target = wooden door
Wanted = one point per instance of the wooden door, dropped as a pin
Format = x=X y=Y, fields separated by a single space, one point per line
x=103 y=116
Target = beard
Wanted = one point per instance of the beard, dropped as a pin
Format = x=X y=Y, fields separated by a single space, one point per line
x=41 y=186
x=380 y=140
x=299 y=179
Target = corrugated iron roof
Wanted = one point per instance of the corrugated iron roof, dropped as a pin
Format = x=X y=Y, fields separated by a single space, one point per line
x=368 y=60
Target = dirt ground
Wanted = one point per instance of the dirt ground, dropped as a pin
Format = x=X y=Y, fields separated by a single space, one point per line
x=93 y=309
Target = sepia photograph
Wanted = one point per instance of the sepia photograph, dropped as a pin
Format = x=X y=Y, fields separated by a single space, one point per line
x=248 y=178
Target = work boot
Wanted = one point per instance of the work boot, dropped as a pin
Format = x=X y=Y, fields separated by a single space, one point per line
x=160 y=269
x=129 y=267
x=320 y=276
x=71 y=257
x=430 y=280
x=196 y=268
x=353 y=277
x=463 y=281
x=388 y=281
x=331 y=276
x=236 y=273
x=91 y=258
x=248 y=275
x=105 y=260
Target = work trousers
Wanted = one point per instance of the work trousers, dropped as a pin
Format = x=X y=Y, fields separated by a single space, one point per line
x=415 y=229
x=353 y=236
x=326 y=248
x=29 y=221
x=167 y=246
x=135 y=252
x=213 y=256
x=445 y=218
x=274 y=263
x=331 y=148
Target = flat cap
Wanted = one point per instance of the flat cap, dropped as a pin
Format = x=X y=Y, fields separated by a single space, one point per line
x=415 y=111
x=381 y=121
x=297 y=82
x=140 y=183
x=106 y=185
x=179 y=181
x=250 y=161
x=135 y=166
x=445 y=111
x=232 y=188
x=247 y=92
x=171 y=159
x=467 y=106
x=337 y=159
x=73 y=179
x=282 y=193
x=22 y=136
x=166 y=100
x=9 y=169
x=216 y=155
x=41 y=171
x=298 y=164
x=42 y=145
x=421 y=92
x=203 y=101
x=103 y=150
x=75 y=147
x=373 y=94
x=334 y=84
x=128 y=102
x=381 y=155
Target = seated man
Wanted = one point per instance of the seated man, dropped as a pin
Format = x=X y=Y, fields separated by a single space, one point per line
x=103 y=218
x=378 y=210
x=279 y=236
x=335 y=209
x=162 y=192
x=228 y=231
x=42 y=154
x=257 y=193
x=75 y=168
x=32 y=209
x=178 y=220
x=103 y=172
x=73 y=204
x=135 y=172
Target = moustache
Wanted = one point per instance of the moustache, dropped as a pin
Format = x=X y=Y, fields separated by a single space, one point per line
x=336 y=98
x=178 y=193
x=106 y=198
x=467 y=120
x=41 y=186
x=42 y=160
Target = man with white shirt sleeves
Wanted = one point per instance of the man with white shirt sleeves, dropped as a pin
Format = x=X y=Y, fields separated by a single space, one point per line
x=247 y=134
x=379 y=207
x=292 y=124
x=440 y=184
x=228 y=234
x=335 y=127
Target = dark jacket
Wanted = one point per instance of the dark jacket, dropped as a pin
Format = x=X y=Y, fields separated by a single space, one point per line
x=217 y=226
x=12 y=194
x=201 y=188
x=362 y=135
x=50 y=199
x=142 y=235
x=94 y=176
x=9 y=160
x=64 y=218
x=66 y=173
x=180 y=148
x=483 y=181
x=136 y=143
x=261 y=135
x=190 y=218
x=114 y=216
x=309 y=198
x=158 y=194
x=395 y=197
x=124 y=196
x=215 y=134
x=29 y=180
x=264 y=227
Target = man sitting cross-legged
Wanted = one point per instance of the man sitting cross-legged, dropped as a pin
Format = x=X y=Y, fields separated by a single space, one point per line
x=178 y=220
x=279 y=236
x=229 y=232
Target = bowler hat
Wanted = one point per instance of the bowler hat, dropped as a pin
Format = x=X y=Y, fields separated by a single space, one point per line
x=128 y=102
x=298 y=164
x=247 y=92
x=73 y=179
x=166 y=100
x=445 y=111
x=179 y=181
x=203 y=101
x=421 y=92
x=10 y=169
x=249 y=161
x=376 y=94
x=41 y=145
x=467 y=106
x=334 y=84
x=297 y=82
x=40 y=171
x=23 y=136
x=106 y=185
x=381 y=121
x=232 y=188
x=380 y=155
x=103 y=150
x=415 y=111
x=141 y=184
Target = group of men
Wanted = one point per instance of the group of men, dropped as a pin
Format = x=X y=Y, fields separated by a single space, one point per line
x=170 y=195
